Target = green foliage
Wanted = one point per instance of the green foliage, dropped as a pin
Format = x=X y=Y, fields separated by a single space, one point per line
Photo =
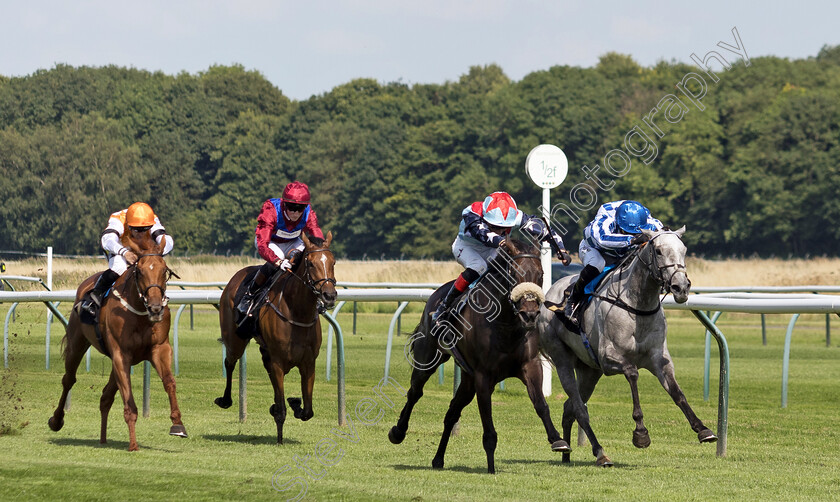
x=391 y=166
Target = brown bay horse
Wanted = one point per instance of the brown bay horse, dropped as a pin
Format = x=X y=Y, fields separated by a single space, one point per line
x=133 y=326
x=287 y=327
x=495 y=333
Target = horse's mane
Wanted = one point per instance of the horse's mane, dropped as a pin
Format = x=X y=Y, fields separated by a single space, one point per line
x=144 y=242
x=317 y=241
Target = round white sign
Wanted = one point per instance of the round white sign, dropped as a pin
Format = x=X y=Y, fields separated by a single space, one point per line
x=547 y=166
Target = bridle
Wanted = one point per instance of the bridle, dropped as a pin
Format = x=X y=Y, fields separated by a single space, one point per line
x=316 y=286
x=144 y=294
x=658 y=271
x=509 y=276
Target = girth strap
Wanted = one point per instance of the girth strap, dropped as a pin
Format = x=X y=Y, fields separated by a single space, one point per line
x=294 y=323
x=618 y=302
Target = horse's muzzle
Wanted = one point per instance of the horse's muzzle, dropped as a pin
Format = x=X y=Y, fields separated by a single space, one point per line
x=680 y=289
x=328 y=298
x=155 y=313
x=528 y=318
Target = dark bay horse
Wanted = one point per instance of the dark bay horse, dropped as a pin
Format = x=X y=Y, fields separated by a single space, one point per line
x=133 y=327
x=288 y=327
x=495 y=335
x=625 y=328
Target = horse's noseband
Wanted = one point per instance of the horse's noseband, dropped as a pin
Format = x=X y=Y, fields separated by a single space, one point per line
x=317 y=287
x=660 y=269
x=144 y=293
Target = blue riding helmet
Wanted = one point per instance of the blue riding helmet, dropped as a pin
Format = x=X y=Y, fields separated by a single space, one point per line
x=632 y=217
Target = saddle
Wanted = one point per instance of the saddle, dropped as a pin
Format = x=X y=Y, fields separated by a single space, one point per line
x=246 y=327
x=573 y=325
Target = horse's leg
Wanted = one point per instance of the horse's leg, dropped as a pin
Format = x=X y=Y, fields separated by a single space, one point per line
x=532 y=376
x=74 y=349
x=669 y=382
x=462 y=398
x=587 y=378
x=105 y=402
x=234 y=347
x=162 y=361
x=277 y=376
x=484 y=390
x=121 y=369
x=426 y=359
x=307 y=384
x=641 y=438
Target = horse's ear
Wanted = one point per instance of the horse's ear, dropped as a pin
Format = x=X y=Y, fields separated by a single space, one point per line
x=305 y=240
x=649 y=233
x=510 y=247
x=134 y=246
x=680 y=231
x=160 y=247
x=329 y=239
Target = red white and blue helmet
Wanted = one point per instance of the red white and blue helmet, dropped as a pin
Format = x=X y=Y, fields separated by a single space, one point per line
x=500 y=210
x=632 y=217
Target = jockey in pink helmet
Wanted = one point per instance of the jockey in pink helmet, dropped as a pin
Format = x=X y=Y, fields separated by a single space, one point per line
x=484 y=227
x=278 y=241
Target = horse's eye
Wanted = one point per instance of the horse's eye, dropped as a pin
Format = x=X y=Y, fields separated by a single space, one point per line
x=659 y=252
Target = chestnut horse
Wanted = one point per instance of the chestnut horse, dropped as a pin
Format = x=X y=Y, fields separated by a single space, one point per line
x=287 y=327
x=133 y=326
x=496 y=335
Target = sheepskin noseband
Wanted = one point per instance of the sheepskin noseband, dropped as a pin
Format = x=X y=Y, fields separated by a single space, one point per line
x=528 y=291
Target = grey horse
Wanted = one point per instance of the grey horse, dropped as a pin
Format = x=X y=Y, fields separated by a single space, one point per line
x=624 y=328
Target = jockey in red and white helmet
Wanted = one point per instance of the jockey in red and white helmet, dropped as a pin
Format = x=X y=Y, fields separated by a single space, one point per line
x=278 y=241
x=484 y=227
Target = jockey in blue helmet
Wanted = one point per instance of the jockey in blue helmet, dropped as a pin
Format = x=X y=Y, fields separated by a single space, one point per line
x=616 y=229
x=484 y=227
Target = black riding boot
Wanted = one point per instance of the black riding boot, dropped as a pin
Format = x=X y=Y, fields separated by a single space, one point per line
x=446 y=304
x=266 y=271
x=586 y=275
x=93 y=300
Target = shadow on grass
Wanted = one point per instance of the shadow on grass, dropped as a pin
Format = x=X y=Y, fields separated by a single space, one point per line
x=558 y=463
x=457 y=468
x=247 y=439
x=110 y=445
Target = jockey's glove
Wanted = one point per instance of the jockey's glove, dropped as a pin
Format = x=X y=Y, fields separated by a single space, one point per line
x=639 y=239
x=564 y=257
x=285 y=265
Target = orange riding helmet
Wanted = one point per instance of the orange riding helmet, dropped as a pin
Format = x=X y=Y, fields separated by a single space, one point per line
x=139 y=214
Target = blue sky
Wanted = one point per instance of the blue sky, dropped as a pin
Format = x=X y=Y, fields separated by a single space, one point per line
x=306 y=48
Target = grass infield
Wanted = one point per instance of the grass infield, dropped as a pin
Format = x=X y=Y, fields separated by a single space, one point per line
x=774 y=453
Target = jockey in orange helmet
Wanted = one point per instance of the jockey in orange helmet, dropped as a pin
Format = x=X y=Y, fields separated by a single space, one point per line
x=138 y=218
x=278 y=241
x=484 y=227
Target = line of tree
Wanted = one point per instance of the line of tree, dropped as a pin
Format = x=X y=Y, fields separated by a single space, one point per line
x=391 y=166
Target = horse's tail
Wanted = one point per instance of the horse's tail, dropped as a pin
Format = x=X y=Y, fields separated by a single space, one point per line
x=63 y=345
x=414 y=339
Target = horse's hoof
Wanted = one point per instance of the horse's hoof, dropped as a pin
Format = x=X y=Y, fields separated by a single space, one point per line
x=133 y=447
x=178 y=430
x=294 y=404
x=437 y=463
x=604 y=461
x=491 y=470
x=561 y=446
x=56 y=425
x=395 y=435
x=641 y=439
x=306 y=416
x=706 y=436
x=223 y=403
